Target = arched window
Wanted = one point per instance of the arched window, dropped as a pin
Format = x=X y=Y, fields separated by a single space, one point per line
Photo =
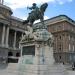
x=10 y=54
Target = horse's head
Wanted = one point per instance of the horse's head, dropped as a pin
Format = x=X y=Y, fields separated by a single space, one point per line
x=43 y=7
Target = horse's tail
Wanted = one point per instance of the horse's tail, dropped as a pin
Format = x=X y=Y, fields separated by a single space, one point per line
x=43 y=7
x=25 y=22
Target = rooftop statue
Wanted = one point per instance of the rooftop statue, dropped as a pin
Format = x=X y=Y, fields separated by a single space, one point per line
x=36 y=13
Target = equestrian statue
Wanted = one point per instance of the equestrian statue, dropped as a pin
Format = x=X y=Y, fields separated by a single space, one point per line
x=36 y=13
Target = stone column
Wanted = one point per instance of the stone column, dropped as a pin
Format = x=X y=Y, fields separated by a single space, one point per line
x=14 y=44
x=20 y=39
x=3 y=35
x=22 y=35
x=7 y=36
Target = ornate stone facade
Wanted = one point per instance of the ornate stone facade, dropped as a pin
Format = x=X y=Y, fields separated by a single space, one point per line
x=64 y=33
x=11 y=30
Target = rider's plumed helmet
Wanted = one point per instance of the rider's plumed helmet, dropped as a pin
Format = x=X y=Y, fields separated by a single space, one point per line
x=34 y=4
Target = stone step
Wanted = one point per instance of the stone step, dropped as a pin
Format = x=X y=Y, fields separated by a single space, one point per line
x=15 y=69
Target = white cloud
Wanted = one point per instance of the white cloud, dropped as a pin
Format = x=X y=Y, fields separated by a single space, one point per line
x=24 y=18
x=45 y=18
x=14 y=4
x=24 y=3
x=63 y=1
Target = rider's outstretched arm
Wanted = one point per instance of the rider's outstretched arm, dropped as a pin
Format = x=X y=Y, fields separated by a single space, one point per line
x=30 y=8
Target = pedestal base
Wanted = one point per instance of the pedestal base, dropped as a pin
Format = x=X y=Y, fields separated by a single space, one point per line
x=15 y=69
x=55 y=69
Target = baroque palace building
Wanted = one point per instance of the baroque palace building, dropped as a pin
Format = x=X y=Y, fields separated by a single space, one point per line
x=63 y=29
x=12 y=29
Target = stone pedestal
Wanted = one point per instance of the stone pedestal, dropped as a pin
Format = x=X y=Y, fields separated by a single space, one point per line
x=38 y=63
x=37 y=55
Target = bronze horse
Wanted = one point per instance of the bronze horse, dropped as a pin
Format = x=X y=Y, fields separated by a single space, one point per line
x=36 y=15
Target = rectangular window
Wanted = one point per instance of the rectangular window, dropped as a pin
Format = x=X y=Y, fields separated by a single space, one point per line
x=63 y=26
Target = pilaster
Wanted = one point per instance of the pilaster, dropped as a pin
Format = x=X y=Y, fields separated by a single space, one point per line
x=3 y=35
x=14 y=44
x=7 y=36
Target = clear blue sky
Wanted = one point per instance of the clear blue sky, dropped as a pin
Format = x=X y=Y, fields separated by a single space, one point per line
x=66 y=8
x=55 y=7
